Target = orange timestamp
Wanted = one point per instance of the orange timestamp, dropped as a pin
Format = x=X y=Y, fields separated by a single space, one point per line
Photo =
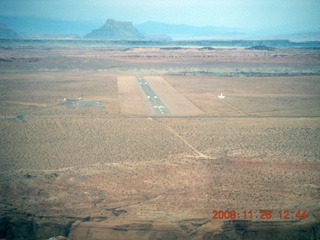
x=261 y=214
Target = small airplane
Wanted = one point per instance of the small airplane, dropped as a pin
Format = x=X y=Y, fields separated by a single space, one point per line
x=221 y=96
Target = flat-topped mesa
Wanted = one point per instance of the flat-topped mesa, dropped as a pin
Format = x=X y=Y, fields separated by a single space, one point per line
x=112 y=22
x=6 y=32
x=115 y=30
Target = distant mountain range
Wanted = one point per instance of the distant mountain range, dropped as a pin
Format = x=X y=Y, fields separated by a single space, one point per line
x=29 y=27
x=35 y=26
x=182 y=31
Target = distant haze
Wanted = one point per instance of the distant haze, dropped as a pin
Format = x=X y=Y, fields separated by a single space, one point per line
x=275 y=15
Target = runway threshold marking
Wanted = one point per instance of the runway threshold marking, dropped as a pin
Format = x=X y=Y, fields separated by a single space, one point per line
x=156 y=102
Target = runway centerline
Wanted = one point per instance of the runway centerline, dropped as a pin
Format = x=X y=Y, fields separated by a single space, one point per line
x=156 y=102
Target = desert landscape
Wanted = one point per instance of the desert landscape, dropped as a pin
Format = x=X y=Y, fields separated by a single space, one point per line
x=85 y=155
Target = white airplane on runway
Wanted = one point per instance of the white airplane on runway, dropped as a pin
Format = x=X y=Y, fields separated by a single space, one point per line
x=221 y=96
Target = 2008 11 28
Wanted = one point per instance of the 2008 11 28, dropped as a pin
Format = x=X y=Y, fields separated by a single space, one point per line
x=263 y=214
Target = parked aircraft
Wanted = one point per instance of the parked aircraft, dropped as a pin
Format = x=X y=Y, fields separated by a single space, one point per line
x=221 y=96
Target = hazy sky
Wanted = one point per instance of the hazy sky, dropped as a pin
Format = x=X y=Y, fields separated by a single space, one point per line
x=246 y=14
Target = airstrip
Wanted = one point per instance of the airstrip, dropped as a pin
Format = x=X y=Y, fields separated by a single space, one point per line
x=141 y=95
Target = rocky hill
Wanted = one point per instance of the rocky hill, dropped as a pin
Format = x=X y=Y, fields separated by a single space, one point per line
x=114 y=30
x=6 y=32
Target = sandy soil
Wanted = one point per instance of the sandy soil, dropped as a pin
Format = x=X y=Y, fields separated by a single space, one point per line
x=157 y=61
x=124 y=171
x=253 y=96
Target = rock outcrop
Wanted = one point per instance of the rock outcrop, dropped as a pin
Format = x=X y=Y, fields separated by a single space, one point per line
x=72 y=228
x=114 y=30
x=6 y=32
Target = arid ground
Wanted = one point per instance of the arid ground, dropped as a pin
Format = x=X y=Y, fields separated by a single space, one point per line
x=84 y=155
